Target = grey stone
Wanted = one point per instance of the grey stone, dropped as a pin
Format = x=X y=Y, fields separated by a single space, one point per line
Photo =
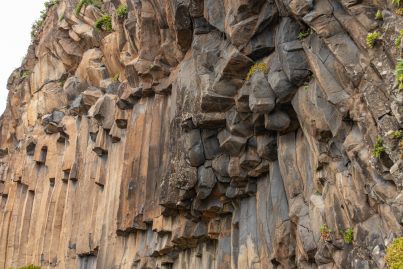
x=267 y=147
x=194 y=147
x=282 y=87
x=324 y=253
x=294 y=62
x=260 y=170
x=220 y=165
x=231 y=144
x=73 y=86
x=239 y=124
x=201 y=26
x=205 y=182
x=300 y=7
x=287 y=31
x=104 y=111
x=261 y=44
x=57 y=116
x=212 y=102
x=261 y=98
x=184 y=27
x=214 y=12
x=249 y=158
x=277 y=121
x=242 y=99
x=210 y=143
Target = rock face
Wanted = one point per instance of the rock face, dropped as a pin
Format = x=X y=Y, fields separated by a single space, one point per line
x=152 y=147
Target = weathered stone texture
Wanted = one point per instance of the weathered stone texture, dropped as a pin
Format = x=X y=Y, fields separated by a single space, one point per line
x=148 y=147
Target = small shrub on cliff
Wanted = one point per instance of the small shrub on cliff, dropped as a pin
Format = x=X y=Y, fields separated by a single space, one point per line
x=396 y=2
x=399 y=73
x=115 y=78
x=104 y=23
x=378 y=148
x=372 y=38
x=325 y=233
x=257 y=67
x=25 y=74
x=378 y=15
x=304 y=34
x=37 y=25
x=394 y=254
x=348 y=236
x=84 y=3
x=50 y=3
x=122 y=12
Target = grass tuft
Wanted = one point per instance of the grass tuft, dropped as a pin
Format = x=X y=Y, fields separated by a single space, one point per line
x=372 y=38
x=304 y=34
x=348 y=236
x=257 y=67
x=378 y=15
x=122 y=12
x=378 y=148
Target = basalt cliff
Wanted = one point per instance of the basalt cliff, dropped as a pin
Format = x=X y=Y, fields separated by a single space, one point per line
x=205 y=134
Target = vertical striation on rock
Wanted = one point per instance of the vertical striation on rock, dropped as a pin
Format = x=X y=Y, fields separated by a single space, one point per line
x=204 y=134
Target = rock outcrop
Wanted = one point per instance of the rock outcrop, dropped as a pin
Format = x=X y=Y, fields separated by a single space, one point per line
x=204 y=134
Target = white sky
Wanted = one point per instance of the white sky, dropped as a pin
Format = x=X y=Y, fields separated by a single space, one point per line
x=16 y=18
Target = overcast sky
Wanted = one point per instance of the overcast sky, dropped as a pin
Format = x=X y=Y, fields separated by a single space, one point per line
x=16 y=19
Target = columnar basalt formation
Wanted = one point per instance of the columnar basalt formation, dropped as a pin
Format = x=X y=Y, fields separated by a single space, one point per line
x=205 y=134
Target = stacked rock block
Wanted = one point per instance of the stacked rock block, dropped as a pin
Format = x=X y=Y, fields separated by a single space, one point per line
x=204 y=134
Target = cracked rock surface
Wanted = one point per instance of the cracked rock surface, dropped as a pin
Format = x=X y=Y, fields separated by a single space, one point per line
x=166 y=144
